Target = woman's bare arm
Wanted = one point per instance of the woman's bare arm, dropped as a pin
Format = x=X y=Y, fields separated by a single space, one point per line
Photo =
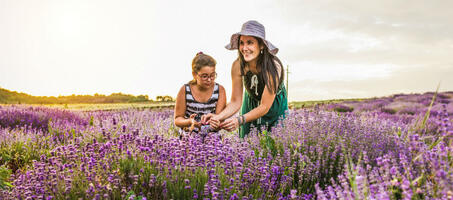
x=221 y=103
x=236 y=94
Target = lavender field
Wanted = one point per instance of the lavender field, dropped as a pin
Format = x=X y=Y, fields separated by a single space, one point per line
x=397 y=147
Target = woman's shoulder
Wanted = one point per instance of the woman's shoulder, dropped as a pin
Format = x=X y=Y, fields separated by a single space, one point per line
x=236 y=64
x=236 y=68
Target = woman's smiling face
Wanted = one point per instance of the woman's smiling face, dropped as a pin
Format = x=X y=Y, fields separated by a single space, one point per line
x=249 y=47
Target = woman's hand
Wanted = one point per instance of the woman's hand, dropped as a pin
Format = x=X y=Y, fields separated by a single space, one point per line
x=230 y=124
x=211 y=119
x=193 y=122
x=205 y=118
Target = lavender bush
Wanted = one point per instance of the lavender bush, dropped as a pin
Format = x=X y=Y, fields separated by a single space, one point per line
x=37 y=118
x=313 y=154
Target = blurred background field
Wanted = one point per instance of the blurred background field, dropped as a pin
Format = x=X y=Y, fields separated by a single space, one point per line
x=118 y=101
x=112 y=106
x=158 y=105
x=307 y=104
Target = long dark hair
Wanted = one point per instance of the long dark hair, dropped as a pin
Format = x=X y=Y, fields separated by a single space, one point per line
x=266 y=62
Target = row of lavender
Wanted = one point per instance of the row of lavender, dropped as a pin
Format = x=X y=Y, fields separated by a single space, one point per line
x=27 y=132
x=400 y=104
x=314 y=153
x=37 y=118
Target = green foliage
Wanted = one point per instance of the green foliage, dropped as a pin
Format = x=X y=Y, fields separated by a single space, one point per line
x=12 y=97
x=344 y=109
x=388 y=110
x=4 y=176
x=429 y=107
x=18 y=155
x=137 y=172
x=130 y=167
x=352 y=170
x=269 y=145
x=164 y=98
x=91 y=121
x=133 y=196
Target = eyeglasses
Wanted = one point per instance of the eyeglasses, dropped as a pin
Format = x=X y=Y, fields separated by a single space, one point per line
x=205 y=77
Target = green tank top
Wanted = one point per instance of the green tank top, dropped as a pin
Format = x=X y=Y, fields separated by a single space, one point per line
x=254 y=87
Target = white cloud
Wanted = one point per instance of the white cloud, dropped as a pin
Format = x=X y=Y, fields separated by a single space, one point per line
x=402 y=80
x=146 y=47
x=327 y=72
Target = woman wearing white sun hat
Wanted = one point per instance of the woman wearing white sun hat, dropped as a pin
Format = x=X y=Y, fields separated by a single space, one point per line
x=259 y=70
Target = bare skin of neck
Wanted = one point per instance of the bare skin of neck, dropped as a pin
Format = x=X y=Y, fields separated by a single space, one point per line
x=252 y=66
x=202 y=89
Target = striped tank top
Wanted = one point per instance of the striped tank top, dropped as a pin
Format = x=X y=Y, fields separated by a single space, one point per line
x=200 y=108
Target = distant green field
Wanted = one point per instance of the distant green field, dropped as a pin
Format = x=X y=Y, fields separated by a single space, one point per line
x=308 y=104
x=157 y=105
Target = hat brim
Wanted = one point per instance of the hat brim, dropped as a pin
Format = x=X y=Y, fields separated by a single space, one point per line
x=235 y=37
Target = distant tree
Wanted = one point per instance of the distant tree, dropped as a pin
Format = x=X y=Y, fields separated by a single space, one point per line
x=167 y=98
x=13 y=97
x=142 y=98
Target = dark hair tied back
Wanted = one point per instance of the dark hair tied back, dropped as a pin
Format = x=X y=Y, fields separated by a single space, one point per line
x=201 y=60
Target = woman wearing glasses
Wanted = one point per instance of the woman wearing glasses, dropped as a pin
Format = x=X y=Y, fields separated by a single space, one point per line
x=200 y=96
x=258 y=69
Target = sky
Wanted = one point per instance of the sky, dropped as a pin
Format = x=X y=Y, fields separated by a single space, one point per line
x=333 y=49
